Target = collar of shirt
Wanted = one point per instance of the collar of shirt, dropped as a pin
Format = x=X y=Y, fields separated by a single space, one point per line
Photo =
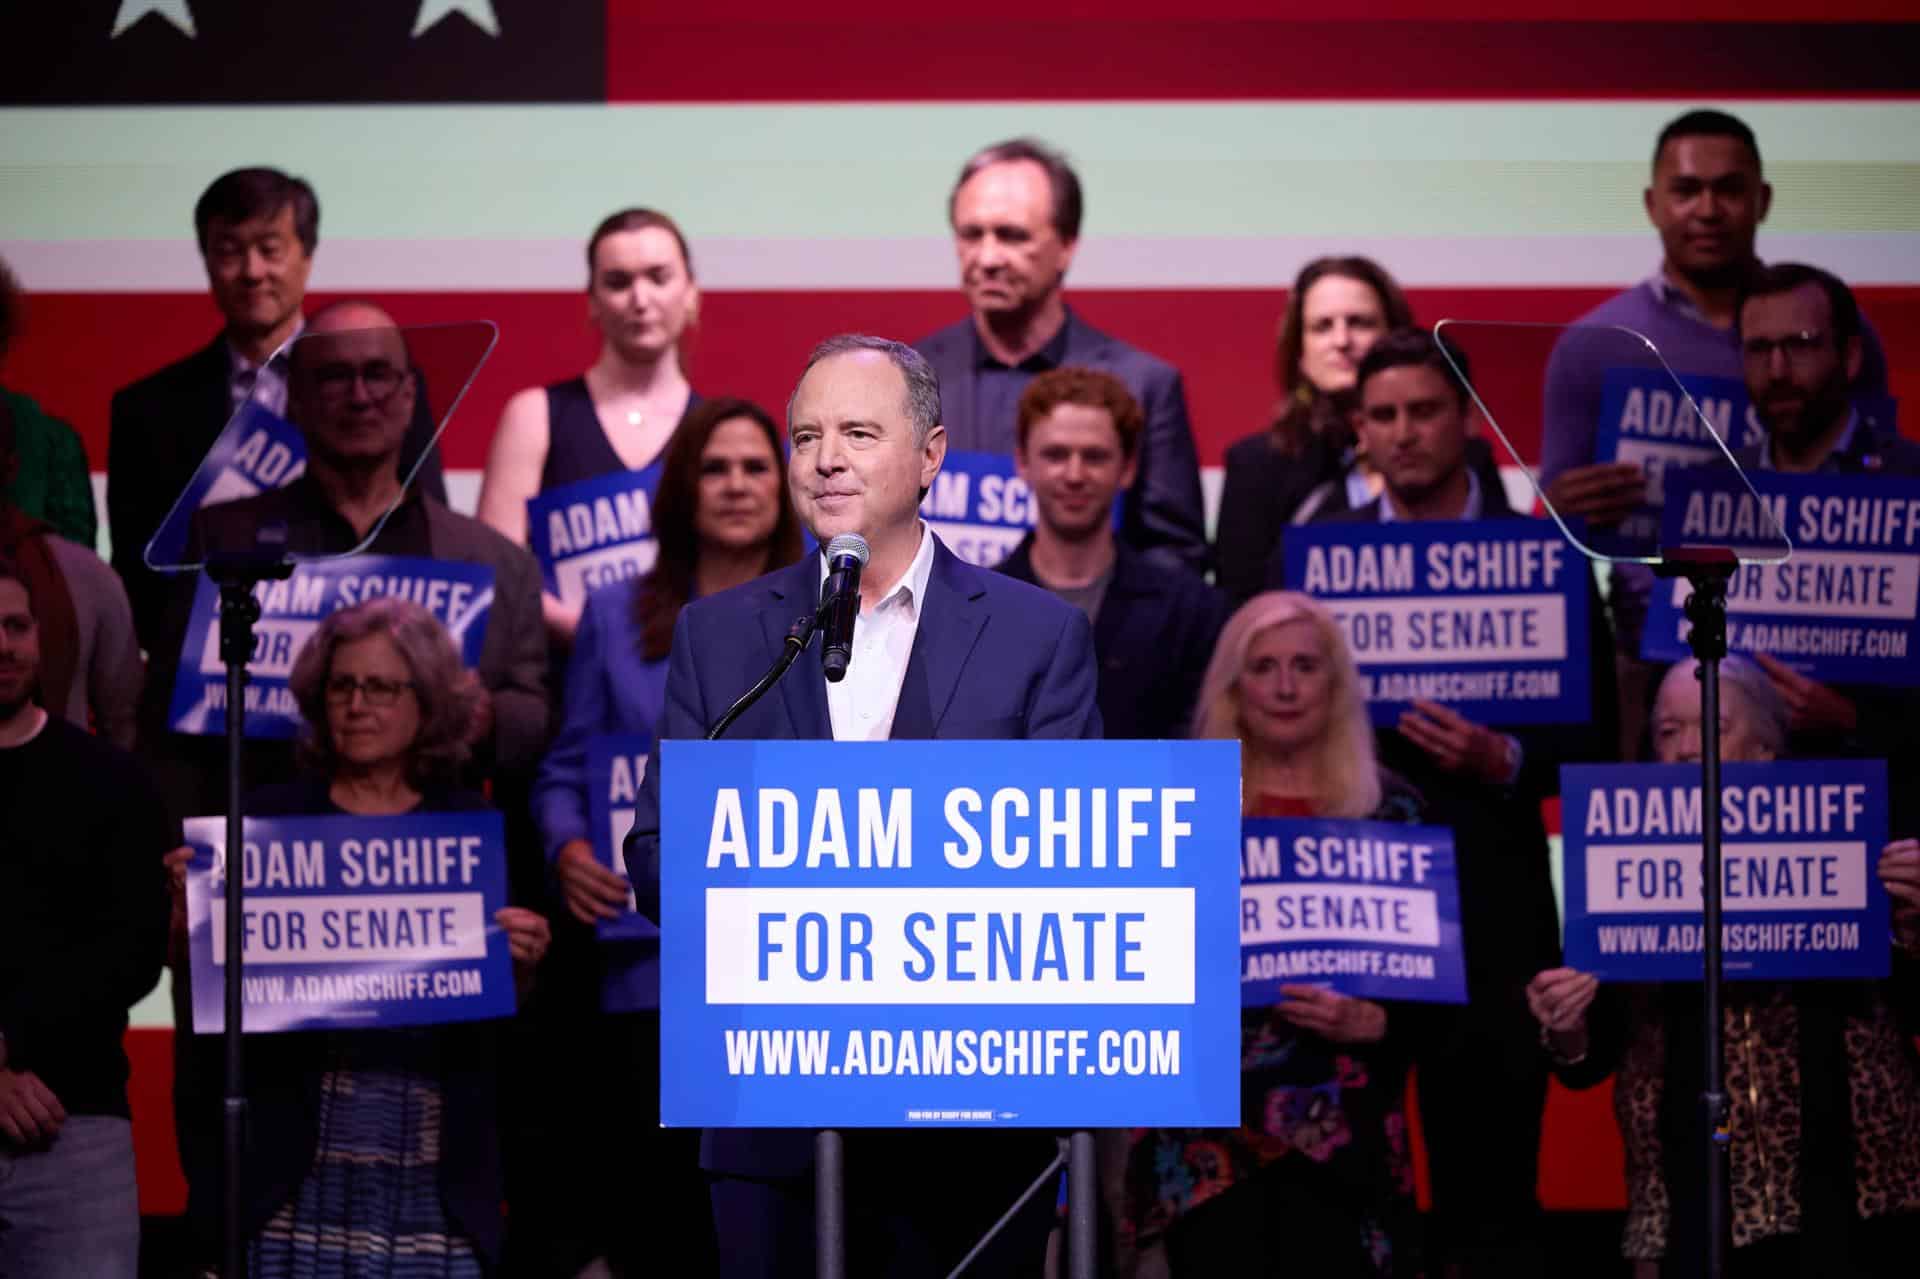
x=265 y=384
x=316 y=528
x=1850 y=435
x=911 y=590
x=1668 y=294
x=1471 y=511
x=1050 y=356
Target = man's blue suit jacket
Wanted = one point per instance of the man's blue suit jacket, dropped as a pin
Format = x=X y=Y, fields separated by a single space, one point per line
x=992 y=658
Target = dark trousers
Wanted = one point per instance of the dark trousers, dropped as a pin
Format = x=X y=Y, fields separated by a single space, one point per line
x=1483 y=1088
x=590 y=1172
x=1281 y=1220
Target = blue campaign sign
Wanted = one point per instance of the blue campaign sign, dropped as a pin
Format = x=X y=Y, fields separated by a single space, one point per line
x=1800 y=841
x=1368 y=909
x=353 y=922
x=595 y=532
x=461 y=595
x=1018 y=933
x=1488 y=617
x=981 y=508
x=257 y=452
x=1841 y=609
x=616 y=763
x=1645 y=419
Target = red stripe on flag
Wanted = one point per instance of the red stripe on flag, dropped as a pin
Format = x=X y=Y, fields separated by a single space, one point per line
x=78 y=348
x=1188 y=57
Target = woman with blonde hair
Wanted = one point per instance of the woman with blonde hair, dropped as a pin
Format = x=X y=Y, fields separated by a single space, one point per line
x=1318 y=1172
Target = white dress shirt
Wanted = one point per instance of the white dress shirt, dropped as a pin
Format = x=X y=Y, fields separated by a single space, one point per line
x=861 y=706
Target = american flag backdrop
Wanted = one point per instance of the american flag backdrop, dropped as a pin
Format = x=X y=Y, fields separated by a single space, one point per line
x=1492 y=155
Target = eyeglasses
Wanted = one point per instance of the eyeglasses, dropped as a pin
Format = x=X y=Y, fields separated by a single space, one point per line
x=1795 y=346
x=378 y=692
x=335 y=381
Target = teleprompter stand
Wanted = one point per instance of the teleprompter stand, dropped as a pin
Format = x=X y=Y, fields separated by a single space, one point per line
x=1709 y=570
x=1076 y=1152
x=237 y=575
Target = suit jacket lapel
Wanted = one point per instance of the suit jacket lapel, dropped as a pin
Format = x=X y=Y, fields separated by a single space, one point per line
x=804 y=688
x=215 y=376
x=950 y=622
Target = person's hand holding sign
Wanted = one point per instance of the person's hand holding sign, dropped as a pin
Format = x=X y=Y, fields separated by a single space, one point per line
x=1458 y=744
x=1900 y=871
x=1559 y=999
x=1334 y=1016
x=176 y=864
x=1816 y=708
x=592 y=892
x=1604 y=493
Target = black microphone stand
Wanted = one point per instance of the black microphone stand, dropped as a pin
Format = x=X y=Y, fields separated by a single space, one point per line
x=1709 y=570
x=237 y=574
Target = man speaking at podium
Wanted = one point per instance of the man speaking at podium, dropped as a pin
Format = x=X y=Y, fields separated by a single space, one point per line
x=940 y=650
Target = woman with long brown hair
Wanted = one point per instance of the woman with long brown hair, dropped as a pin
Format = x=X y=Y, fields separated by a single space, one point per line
x=1338 y=308
x=723 y=517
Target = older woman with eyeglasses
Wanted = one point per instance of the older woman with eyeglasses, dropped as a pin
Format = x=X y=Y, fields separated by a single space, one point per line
x=370 y=1153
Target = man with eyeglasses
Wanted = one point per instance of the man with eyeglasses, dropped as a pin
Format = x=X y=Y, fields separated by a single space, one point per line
x=257 y=230
x=352 y=390
x=1799 y=330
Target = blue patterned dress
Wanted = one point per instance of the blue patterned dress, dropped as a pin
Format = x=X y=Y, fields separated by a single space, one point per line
x=370 y=1207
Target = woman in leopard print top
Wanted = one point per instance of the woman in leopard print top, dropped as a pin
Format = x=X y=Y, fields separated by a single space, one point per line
x=1823 y=1076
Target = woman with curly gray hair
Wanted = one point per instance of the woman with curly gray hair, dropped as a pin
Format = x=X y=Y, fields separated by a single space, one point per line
x=369 y=1151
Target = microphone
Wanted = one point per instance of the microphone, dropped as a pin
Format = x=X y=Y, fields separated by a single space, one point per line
x=840 y=602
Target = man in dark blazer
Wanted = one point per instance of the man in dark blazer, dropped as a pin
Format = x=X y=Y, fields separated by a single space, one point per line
x=257 y=231
x=940 y=650
x=352 y=480
x=1015 y=215
x=1482 y=1077
x=1154 y=624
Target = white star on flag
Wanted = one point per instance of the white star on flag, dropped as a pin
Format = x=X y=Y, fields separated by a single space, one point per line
x=478 y=12
x=174 y=11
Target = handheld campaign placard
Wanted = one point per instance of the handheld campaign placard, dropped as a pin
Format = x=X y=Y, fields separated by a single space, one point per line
x=354 y=922
x=913 y=933
x=258 y=451
x=1841 y=609
x=1369 y=909
x=616 y=763
x=1645 y=418
x=594 y=533
x=461 y=595
x=1488 y=617
x=1800 y=843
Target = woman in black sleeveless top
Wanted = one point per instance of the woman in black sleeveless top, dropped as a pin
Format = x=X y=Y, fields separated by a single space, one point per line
x=619 y=416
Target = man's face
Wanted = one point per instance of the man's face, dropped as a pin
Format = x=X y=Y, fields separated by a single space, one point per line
x=854 y=466
x=257 y=270
x=1011 y=257
x=1074 y=464
x=351 y=394
x=19 y=648
x=1707 y=201
x=1677 y=718
x=1414 y=428
x=1797 y=375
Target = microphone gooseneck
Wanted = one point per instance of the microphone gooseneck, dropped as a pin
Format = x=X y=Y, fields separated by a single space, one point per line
x=840 y=602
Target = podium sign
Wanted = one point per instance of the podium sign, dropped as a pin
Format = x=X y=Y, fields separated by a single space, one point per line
x=899 y=934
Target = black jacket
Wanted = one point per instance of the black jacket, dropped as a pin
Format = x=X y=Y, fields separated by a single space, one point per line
x=1153 y=639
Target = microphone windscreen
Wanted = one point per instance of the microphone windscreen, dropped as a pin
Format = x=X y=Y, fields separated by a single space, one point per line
x=848 y=544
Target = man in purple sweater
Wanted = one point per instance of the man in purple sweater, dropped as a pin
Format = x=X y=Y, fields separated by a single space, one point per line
x=1707 y=200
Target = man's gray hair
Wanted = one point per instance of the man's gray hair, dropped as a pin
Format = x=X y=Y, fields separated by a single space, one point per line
x=923 y=385
x=1768 y=711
